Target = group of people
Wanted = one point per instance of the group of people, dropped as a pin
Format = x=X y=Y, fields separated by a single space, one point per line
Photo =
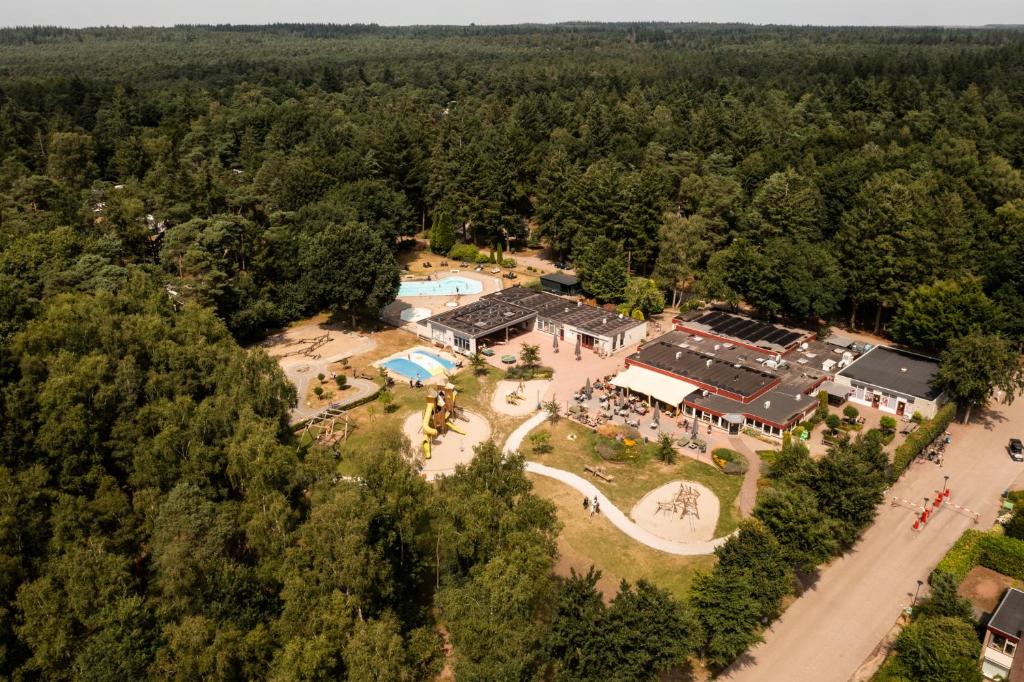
x=594 y=507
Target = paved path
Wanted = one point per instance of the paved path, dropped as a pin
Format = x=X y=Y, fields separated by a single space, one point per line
x=830 y=630
x=610 y=511
x=357 y=390
x=747 y=497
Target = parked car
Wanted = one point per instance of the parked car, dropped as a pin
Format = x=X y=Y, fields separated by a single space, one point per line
x=1016 y=449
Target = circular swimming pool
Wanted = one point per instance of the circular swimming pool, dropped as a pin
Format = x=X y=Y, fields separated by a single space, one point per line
x=449 y=286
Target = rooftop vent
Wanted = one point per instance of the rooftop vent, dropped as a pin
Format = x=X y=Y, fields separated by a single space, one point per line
x=718 y=347
x=604 y=321
x=767 y=404
x=566 y=310
x=708 y=362
x=903 y=369
x=797 y=397
x=678 y=353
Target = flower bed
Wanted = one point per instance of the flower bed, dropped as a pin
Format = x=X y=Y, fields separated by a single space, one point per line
x=729 y=461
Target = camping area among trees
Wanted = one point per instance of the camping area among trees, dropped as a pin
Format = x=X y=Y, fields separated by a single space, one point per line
x=167 y=194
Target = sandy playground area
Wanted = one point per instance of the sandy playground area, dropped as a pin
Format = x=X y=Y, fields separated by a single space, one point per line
x=527 y=404
x=659 y=513
x=315 y=342
x=449 y=450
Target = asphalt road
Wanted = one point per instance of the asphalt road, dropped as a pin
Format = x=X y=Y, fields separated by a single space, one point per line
x=833 y=627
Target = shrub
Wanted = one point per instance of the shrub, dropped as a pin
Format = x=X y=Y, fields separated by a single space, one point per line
x=729 y=461
x=919 y=440
x=319 y=391
x=832 y=422
x=321 y=377
x=887 y=423
x=534 y=284
x=341 y=380
x=464 y=252
x=665 y=449
x=638 y=315
x=977 y=548
x=1014 y=528
x=508 y=262
x=851 y=413
x=483 y=259
x=540 y=442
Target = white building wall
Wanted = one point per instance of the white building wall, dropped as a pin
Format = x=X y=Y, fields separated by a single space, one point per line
x=888 y=401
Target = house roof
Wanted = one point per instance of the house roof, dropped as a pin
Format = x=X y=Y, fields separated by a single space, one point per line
x=778 y=405
x=586 y=318
x=482 y=317
x=756 y=333
x=898 y=370
x=1009 y=616
x=669 y=354
x=562 y=278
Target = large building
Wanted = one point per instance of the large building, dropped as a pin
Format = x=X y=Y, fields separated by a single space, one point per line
x=892 y=380
x=497 y=316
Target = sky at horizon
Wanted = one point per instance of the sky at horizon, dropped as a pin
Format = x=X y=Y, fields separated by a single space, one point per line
x=75 y=13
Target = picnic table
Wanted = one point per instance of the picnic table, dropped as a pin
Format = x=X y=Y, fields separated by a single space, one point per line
x=599 y=472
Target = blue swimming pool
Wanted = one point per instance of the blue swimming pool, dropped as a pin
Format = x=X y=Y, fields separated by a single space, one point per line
x=419 y=364
x=449 y=286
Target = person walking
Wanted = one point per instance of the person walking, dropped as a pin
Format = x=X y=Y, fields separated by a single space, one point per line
x=586 y=503
x=597 y=506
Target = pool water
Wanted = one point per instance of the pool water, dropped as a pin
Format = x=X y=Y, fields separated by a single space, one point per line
x=419 y=364
x=449 y=286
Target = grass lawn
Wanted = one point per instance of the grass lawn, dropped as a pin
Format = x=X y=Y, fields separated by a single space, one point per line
x=636 y=477
x=587 y=541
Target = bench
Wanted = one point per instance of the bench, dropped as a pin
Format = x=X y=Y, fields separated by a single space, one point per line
x=599 y=472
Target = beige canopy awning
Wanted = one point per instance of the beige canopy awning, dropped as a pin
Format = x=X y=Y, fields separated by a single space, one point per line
x=668 y=390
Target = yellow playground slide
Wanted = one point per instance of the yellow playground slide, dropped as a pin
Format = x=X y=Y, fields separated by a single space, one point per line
x=447 y=408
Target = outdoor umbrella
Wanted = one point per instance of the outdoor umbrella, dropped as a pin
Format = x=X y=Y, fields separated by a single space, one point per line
x=657 y=414
x=579 y=346
x=693 y=431
x=554 y=344
x=588 y=390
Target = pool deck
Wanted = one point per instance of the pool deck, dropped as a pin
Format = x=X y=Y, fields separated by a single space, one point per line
x=436 y=304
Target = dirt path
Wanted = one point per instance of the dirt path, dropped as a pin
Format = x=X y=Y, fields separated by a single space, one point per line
x=829 y=631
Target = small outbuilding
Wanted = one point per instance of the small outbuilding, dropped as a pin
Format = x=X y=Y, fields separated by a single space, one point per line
x=561 y=283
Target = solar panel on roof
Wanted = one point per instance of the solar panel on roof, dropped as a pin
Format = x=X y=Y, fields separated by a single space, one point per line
x=774 y=335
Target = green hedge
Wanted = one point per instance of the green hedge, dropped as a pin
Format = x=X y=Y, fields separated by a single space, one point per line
x=919 y=440
x=976 y=548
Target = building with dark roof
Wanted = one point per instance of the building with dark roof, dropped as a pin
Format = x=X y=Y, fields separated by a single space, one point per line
x=754 y=335
x=893 y=380
x=498 y=315
x=732 y=386
x=561 y=283
x=1002 y=637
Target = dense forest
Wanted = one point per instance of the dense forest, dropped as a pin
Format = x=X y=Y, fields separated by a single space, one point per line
x=166 y=194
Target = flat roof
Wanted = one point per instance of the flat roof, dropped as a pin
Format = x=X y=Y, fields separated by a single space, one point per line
x=782 y=404
x=482 y=317
x=561 y=278
x=897 y=370
x=669 y=353
x=587 y=318
x=1009 y=615
x=770 y=337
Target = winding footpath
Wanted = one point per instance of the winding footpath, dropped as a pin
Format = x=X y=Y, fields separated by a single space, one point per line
x=610 y=511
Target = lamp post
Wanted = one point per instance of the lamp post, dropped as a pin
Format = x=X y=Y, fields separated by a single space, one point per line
x=945 y=485
x=919 y=583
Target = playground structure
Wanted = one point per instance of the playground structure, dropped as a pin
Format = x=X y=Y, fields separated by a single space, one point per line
x=309 y=346
x=683 y=503
x=680 y=510
x=323 y=426
x=514 y=397
x=439 y=414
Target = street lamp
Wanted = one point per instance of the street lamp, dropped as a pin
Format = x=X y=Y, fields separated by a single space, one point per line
x=919 y=583
x=945 y=485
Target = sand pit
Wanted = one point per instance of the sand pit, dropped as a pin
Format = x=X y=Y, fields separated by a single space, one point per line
x=668 y=524
x=315 y=343
x=528 y=404
x=449 y=450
